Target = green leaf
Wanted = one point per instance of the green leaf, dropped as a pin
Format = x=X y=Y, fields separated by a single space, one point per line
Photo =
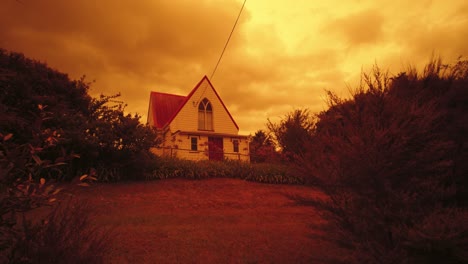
x=48 y=189
x=37 y=159
x=84 y=176
x=7 y=137
x=92 y=178
x=56 y=191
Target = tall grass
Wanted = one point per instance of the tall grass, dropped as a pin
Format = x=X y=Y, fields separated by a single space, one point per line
x=67 y=235
x=264 y=172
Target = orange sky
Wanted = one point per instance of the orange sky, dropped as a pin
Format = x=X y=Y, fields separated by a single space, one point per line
x=282 y=56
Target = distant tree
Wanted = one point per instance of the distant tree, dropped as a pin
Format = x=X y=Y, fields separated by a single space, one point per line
x=293 y=131
x=262 y=139
x=392 y=163
x=262 y=148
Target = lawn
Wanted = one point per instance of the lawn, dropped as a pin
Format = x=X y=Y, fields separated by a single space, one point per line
x=205 y=221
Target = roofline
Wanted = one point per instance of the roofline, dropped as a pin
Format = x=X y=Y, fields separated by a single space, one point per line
x=221 y=100
x=190 y=95
x=204 y=133
x=167 y=94
x=149 y=108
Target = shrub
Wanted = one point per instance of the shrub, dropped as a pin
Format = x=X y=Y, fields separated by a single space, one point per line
x=36 y=101
x=23 y=172
x=264 y=172
x=292 y=132
x=65 y=236
x=389 y=161
x=262 y=149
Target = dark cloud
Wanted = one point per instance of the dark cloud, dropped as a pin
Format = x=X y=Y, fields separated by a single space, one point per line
x=126 y=46
x=364 y=27
x=281 y=56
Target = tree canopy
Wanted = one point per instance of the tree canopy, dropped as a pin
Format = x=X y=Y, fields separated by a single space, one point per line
x=292 y=133
x=37 y=103
x=392 y=160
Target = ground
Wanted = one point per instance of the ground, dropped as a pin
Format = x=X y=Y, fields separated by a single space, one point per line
x=206 y=221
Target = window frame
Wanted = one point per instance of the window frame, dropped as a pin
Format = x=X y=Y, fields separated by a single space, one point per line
x=235 y=145
x=205 y=115
x=193 y=143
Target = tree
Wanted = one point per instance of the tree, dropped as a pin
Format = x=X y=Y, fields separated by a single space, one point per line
x=47 y=121
x=262 y=148
x=96 y=129
x=117 y=140
x=39 y=104
x=389 y=162
x=292 y=132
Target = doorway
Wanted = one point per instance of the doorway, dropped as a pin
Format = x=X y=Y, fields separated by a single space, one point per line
x=215 y=148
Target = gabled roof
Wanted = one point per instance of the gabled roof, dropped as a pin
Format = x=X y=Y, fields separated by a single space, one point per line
x=165 y=107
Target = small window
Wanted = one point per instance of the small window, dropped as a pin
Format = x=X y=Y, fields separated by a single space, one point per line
x=193 y=143
x=235 y=144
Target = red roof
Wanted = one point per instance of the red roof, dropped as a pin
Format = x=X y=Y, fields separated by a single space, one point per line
x=165 y=106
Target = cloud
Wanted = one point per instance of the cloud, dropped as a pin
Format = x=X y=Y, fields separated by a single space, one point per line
x=280 y=57
x=127 y=46
x=363 y=27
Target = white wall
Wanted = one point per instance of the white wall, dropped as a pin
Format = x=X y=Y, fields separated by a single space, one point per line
x=187 y=118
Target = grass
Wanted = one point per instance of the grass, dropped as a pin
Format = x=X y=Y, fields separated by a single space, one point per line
x=205 y=221
x=262 y=172
x=61 y=234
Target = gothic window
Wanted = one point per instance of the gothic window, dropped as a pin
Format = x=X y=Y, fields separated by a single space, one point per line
x=205 y=115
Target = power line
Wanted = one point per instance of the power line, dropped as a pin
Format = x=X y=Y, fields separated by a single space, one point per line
x=227 y=42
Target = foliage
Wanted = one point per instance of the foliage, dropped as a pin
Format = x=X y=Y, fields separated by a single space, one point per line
x=292 y=132
x=262 y=148
x=66 y=236
x=390 y=162
x=115 y=143
x=95 y=128
x=264 y=172
x=23 y=172
x=45 y=121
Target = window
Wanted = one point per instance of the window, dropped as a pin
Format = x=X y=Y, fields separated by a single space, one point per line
x=205 y=115
x=193 y=143
x=235 y=144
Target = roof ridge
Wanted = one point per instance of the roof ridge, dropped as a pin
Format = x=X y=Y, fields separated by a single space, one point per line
x=154 y=92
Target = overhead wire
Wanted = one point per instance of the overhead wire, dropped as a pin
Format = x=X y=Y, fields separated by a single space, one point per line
x=222 y=53
x=227 y=42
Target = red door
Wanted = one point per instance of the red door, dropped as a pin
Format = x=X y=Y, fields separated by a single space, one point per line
x=215 y=148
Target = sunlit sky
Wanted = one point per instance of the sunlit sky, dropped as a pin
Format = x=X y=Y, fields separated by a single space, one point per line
x=282 y=56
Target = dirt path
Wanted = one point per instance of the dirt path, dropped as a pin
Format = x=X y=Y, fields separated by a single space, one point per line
x=206 y=221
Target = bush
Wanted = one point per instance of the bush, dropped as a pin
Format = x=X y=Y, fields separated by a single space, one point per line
x=389 y=161
x=65 y=236
x=293 y=132
x=37 y=101
x=264 y=172
x=262 y=149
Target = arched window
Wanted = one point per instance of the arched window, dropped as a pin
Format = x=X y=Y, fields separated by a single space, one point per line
x=205 y=115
